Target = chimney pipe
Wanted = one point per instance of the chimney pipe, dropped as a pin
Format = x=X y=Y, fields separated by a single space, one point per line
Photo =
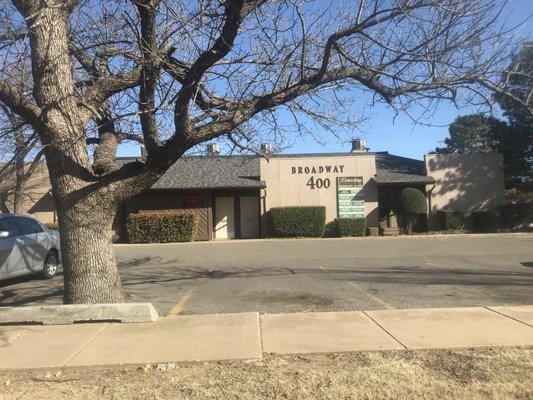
x=358 y=146
x=267 y=148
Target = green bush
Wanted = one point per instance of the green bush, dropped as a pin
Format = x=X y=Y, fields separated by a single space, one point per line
x=451 y=220
x=515 y=215
x=372 y=231
x=331 y=229
x=161 y=227
x=484 y=221
x=410 y=203
x=52 y=225
x=351 y=226
x=297 y=221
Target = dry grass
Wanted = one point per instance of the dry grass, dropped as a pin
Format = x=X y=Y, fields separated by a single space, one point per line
x=443 y=374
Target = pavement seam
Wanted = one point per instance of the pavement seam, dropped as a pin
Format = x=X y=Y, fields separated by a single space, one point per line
x=508 y=316
x=86 y=344
x=386 y=331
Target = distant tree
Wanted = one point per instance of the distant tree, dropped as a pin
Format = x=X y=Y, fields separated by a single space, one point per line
x=478 y=133
x=21 y=153
x=516 y=100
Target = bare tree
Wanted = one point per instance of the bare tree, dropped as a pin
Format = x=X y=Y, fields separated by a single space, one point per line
x=174 y=74
x=15 y=171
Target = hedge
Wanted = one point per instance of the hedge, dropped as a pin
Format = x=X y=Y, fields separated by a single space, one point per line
x=372 y=231
x=451 y=220
x=484 y=221
x=515 y=215
x=161 y=227
x=297 y=221
x=351 y=226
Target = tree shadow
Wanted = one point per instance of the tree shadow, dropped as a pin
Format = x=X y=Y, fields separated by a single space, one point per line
x=465 y=182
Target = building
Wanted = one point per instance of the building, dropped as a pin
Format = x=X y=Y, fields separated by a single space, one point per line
x=231 y=195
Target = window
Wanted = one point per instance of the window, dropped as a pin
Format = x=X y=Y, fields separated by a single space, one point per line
x=8 y=225
x=27 y=226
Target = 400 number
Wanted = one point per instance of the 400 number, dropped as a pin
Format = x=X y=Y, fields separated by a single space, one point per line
x=318 y=183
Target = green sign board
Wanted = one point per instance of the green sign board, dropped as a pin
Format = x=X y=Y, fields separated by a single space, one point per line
x=349 y=197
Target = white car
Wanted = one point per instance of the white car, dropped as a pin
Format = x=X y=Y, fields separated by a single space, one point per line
x=27 y=247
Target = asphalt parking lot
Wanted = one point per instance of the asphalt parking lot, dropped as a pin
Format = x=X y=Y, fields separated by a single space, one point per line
x=293 y=275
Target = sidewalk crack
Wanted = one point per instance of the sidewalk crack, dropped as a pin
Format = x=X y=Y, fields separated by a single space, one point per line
x=86 y=344
x=508 y=316
x=384 y=330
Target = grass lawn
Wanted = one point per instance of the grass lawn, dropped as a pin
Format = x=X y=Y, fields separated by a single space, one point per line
x=433 y=374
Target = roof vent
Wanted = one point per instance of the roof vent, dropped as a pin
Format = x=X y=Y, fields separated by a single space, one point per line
x=358 y=146
x=213 y=150
x=267 y=148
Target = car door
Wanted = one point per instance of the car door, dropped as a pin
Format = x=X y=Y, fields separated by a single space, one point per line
x=32 y=243
x=9 y=251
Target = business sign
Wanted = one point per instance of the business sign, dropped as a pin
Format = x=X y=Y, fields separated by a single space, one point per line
x=350 y=200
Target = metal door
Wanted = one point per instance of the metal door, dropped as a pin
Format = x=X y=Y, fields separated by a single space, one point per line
x=9 y=250
x=32 y=242
x=249 y=216
x=224 y=218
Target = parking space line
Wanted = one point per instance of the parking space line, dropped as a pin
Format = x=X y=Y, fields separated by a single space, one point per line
x=373 y=297
x=180 y=305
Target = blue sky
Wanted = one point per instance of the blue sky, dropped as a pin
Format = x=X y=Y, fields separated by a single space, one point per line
x=398 y=134
x=384 y=132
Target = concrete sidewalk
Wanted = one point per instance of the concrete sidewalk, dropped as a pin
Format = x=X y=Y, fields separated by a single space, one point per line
x=249 y=336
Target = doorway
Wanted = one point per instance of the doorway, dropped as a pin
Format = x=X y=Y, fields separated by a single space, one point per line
x=249 y=214
x=224 y=218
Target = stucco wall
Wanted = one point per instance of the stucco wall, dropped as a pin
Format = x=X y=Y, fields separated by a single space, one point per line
x=36 y=199
x=286 y=181
x=465 y=183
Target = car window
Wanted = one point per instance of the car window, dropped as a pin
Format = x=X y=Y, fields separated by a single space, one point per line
x=27 y=226
x=8 y=224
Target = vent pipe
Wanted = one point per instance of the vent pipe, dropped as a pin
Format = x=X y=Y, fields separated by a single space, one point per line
x=358 y=146
x=213 y=150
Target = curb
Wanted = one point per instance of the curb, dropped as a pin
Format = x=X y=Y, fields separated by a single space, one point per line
x=68 y=314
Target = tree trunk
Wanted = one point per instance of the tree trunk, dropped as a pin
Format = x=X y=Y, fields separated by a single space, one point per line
x=90 y=269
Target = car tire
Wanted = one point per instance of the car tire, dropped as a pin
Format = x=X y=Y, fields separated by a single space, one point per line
x=51 y=264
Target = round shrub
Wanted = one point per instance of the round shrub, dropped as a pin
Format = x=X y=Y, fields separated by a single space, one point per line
x=411 y=203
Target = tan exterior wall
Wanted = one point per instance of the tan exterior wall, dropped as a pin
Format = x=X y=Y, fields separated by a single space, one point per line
x=465 y=183
x=285 y=186
x=37 y=197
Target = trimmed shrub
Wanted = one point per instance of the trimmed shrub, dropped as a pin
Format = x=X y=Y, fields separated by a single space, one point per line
x=410 y=204
x=52 y=225
x=451 y=220
x=297 y=221
x=484 y=221
x=372 y=231
x=351 y=226
x=161 y=227
x=515 y=215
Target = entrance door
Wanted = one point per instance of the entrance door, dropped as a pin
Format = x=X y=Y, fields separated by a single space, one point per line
x=224 y=218
x=249 y=216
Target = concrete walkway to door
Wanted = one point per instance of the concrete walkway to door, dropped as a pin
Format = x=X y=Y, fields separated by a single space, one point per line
x=250 y=335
